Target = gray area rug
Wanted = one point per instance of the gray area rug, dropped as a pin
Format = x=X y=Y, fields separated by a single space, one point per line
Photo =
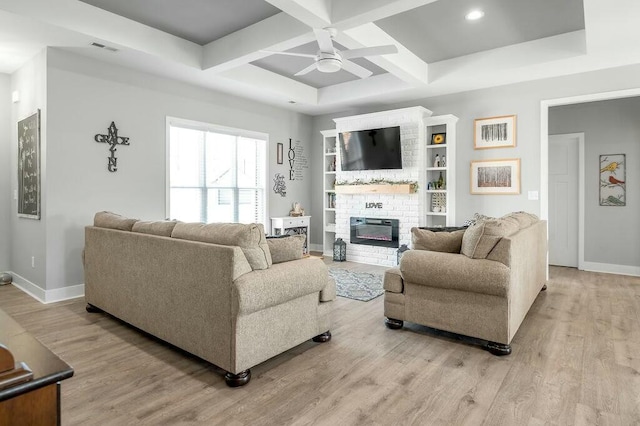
x=356 y=285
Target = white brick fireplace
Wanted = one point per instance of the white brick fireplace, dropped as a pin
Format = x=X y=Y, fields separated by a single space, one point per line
x=406 y=208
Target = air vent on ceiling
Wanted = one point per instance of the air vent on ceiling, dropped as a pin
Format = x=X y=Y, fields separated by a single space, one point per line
x=102 y=46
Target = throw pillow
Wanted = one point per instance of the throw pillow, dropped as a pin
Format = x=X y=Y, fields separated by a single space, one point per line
x=160 y=227
x=113 y=221
x=446 y=242
x=286 y=249
x=249 y=237
x=479 y=239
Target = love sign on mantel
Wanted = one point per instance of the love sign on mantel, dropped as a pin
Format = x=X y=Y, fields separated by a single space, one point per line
x=373 y=205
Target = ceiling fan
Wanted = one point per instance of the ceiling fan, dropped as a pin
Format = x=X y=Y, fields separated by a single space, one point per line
x=329 y=59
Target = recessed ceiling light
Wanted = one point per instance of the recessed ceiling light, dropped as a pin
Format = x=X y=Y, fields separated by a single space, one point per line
x=474 y=15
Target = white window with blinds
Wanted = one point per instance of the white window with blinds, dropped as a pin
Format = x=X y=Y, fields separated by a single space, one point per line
x=215 y=174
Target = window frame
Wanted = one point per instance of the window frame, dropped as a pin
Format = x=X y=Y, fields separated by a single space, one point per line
x=215 y=128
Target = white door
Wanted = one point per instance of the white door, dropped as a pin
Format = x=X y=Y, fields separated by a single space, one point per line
x=563 y=199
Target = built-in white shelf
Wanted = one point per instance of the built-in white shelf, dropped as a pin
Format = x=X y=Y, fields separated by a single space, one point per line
x=442 y=145
x=329 y=143
x=436 y=168
x=436 y=191
x=436 y=214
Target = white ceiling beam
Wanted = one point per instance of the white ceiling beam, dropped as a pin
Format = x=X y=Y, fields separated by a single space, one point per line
x=282 y=87
x=314 y=13
x=278 y=32
x=108 y=27
x=405 y=64
x=359 y=90
x=612 y=26
x=353 y=13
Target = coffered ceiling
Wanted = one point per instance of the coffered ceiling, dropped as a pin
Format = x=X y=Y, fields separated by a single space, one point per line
x=228 y=45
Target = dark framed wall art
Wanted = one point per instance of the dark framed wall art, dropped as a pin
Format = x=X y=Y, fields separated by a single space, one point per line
x=29 y=167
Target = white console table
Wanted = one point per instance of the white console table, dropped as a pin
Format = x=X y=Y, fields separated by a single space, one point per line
x=292 y=225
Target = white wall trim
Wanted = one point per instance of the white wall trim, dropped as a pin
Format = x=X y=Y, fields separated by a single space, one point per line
x=47 y=296
x=608 y=268
x=544 y=154
x=544 y=134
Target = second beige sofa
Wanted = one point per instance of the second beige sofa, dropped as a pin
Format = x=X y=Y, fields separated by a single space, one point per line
x=485 y=293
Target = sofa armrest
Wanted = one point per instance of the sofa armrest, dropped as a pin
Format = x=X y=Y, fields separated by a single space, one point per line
x=455 y=271
x=328 y=293
x=392 y=281
x=282 y=282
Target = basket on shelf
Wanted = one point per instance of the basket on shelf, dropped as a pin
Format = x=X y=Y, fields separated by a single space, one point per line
x=439 y=200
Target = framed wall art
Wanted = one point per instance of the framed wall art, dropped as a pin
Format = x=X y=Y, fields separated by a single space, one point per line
x=613 y=187
x=495 y=176
x=29 y=167
x=279 y=153
x=438 y=138
x=494 y=132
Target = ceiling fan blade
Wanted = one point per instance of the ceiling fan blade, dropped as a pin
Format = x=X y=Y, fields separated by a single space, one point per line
x=355 y=69
x=324 y=40
x=369 y=51
x=302 y=55
x=307 y=70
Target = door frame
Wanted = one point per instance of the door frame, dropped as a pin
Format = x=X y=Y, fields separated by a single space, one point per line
x=544 y=142
x=581 y=207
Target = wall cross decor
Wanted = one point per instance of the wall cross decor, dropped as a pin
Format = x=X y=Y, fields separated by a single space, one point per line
x=113 y=140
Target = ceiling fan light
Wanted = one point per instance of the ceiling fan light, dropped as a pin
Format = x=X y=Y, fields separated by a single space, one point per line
x=474 y=15
x=329 y=65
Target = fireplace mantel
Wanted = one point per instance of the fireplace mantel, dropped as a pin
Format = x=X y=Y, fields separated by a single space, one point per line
x=403 y=188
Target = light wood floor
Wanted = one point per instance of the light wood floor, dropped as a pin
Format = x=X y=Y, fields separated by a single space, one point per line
x=575 y=360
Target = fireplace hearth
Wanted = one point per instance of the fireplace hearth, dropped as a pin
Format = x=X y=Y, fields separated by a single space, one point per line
x=374 y=231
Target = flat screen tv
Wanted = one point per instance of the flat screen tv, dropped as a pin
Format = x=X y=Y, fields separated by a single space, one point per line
x=373 y=149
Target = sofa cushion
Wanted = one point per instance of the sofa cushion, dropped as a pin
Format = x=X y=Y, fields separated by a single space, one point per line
x=249 y=237
x=113 y=221
x=524 y=219
x=447 y=242
x=479 y=239
x=287 y=248
x=163 y=228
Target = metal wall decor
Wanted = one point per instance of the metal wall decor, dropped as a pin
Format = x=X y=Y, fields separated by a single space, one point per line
x=113 y=140
x=279 y=186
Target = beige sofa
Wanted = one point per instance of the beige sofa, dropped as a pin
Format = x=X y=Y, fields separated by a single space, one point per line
x=213 y=290
x=483 y=292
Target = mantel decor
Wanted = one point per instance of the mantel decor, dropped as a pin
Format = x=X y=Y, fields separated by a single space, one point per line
x=376 y=186
x=113 y=140
x=29 y=167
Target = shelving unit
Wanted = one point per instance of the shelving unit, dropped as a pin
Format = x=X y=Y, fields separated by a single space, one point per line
x=329 y=148
x=445 y=195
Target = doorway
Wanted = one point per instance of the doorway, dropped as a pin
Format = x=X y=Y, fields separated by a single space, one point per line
x=566 y=195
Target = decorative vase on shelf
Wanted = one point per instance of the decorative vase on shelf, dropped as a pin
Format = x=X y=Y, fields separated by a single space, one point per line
x=436 y=162
x=440 y=182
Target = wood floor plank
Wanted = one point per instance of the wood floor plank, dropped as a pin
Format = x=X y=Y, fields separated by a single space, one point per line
x=575 y=360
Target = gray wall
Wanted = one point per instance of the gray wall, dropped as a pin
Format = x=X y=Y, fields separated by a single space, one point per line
x=83 y=97
x=5 y=154
x=28 y=236
x=522 y=99
x=612 y=234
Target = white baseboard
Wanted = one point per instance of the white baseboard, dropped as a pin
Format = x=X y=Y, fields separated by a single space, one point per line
x=315 y=247
x=608 y=268
x=47 y=296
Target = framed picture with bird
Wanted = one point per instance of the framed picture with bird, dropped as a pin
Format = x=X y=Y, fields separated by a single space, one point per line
x=613 y=187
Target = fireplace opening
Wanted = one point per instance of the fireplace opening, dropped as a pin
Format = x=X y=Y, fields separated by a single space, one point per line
x=375 y=232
